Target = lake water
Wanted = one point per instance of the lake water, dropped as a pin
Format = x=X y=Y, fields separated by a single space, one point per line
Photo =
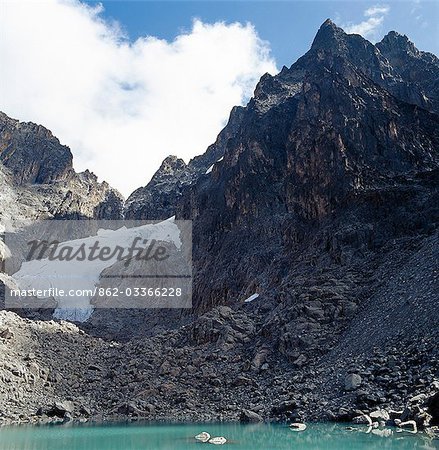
x=176 y=437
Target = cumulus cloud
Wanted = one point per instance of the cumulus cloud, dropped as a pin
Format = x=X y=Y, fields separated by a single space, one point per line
x=123 y=106
x=374 y=17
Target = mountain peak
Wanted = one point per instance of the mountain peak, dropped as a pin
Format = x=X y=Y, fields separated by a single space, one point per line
x=396 y=42
x=328 y=35
x=328 y=23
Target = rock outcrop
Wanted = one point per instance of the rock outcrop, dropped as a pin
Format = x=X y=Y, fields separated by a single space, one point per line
x=37 y=179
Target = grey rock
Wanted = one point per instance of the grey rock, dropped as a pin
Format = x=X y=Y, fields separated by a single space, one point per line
x=380 y=415
x=352 y=382
x=248 y=416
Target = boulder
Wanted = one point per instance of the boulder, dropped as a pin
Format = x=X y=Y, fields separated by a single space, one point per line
x=433 y=408
x=380 y=415
x=220 y=440
x=352 y=382
x=204 y=436
x=297 y=426
x=248 y=416
x=60 y=409
x=6 y=333
x=364 y=419
x=409 y=425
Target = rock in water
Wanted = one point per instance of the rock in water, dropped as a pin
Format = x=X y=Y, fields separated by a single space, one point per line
x=204 y=436
x=297 y=426
x=220 y=440
x=364 y=419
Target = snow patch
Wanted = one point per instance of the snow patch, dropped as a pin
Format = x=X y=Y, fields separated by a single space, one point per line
x=251 y=298
x=209 y=169
x=84 y=275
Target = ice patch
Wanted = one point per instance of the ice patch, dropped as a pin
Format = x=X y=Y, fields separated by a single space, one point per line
x=209 y=169
x=45 y=274
x=251 y=298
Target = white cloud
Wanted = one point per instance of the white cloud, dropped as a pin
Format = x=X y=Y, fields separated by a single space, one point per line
x=417 y=13
x=376 y=10
x=122 y=107
x=374 y=18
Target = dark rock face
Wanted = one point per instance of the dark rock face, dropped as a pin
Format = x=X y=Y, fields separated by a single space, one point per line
x=321 y=148
x=32 y=153
x=336 y=60
x=332 y=159
x=38 y=180
x=159 y=198
x=394 y=63
x=325 y=203
x=418 y=70
x=156 y=200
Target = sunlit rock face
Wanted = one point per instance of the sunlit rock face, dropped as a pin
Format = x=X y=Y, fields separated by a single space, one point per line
x=38 y=179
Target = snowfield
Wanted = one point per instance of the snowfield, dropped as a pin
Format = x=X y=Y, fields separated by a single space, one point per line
x=44 y=274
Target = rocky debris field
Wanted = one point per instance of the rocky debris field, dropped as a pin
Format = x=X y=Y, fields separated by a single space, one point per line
x=54 y=372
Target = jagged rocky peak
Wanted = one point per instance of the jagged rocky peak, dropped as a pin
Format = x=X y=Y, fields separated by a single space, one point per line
x=158 y=200
x=333 y=40
x=37 y=178
x=416 y=73
x=155 y=200
x=340 y=68
x=32 y=153
x=329 y=36
x=171 y=166
x=393 y=42
x=340 y=128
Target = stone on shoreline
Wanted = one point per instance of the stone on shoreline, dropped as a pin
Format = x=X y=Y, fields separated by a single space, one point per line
x=248 y=416
x=364 y=419
x=204 y=436
x=220 y=440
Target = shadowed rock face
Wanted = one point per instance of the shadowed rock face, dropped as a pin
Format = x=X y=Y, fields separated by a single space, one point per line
x=332 y=159
x=417 y=70
x=321 y=143
x=345 y=91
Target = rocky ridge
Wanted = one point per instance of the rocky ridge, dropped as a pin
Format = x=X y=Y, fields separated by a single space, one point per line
x=157 y=200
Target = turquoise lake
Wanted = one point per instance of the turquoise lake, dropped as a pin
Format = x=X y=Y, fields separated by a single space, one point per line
x=180 y=436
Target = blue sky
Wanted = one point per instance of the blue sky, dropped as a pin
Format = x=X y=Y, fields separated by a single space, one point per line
x=289 y=26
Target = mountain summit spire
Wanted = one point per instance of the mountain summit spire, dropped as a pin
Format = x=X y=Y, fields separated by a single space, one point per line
x=329 y=34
